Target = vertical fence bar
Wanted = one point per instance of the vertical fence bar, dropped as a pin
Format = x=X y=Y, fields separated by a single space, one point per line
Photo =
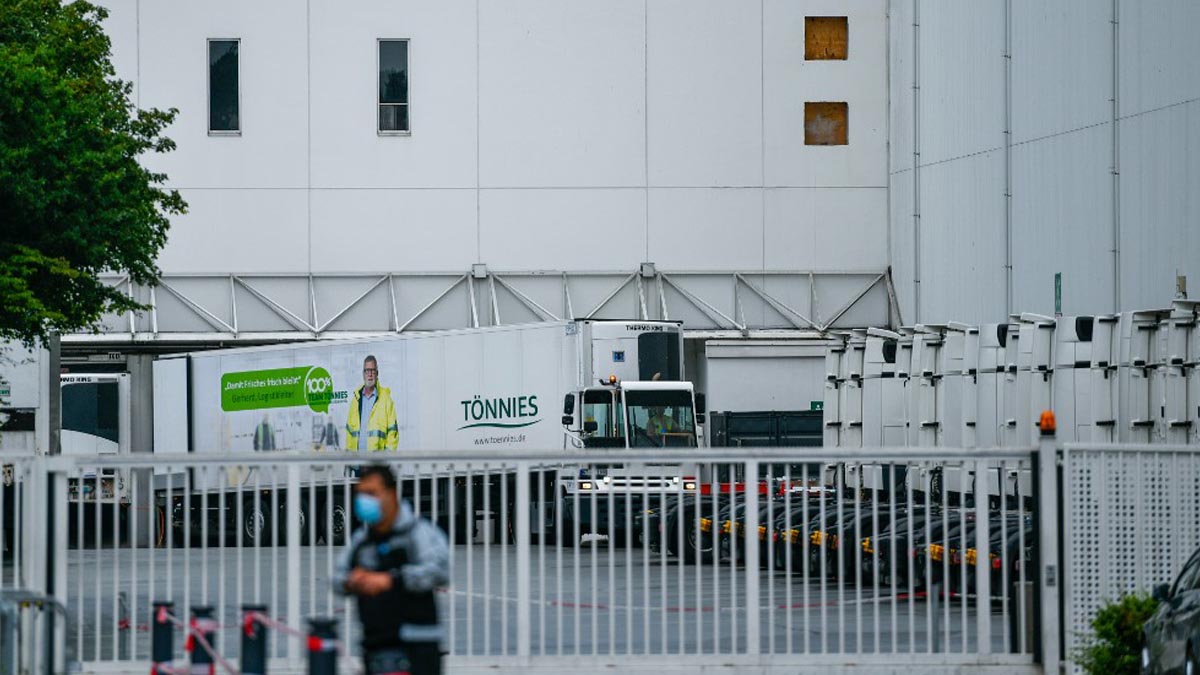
x=489 y=541
x=205 y=482
x=715 y=532
x=502 y=527
x=239 y=535
x=943 y=587
x=663 y=567
x=786 y=542
x=770 y=559
x=983 y=560
x=524 y=633
x=729 y=539
x=452 y=541
x=116 y=564
x=1023 y=645
x=847 y=549
x=542 y=541
x=892 y=588
x=697 y=552
x=222 y=542
x=612 y=555
x=863 y=555
x=919 y=551
x=276 y=543
x=594 y=530
x=292 y=535
x=818 y=569
x=97 y=534
x=804 y=566
x=629 y=574
x=753 y=626
x=135 y=517
x=308 y=530
x=825 y=547
x=559 y=535
x=1002 y=482
x=79 y=554
x=469 y=518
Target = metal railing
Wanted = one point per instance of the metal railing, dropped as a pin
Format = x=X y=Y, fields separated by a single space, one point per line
x=796 y=557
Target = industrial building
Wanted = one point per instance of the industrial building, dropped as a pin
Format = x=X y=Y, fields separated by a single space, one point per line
x=764 y=172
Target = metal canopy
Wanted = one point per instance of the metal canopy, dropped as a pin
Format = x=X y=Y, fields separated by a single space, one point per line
x=256 y=308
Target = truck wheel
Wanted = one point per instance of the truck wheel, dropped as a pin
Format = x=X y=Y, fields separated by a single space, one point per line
x=256 y=523
x=335 y=530
x=282 y=515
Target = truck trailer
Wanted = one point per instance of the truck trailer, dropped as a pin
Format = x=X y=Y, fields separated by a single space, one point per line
x=617 y=384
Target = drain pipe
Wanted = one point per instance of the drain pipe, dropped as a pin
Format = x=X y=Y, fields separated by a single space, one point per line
x=1008 y=207
x=1116 y=154
x=916 y=141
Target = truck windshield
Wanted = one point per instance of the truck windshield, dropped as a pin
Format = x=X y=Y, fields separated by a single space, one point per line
x=602 y=406
x=661 y=419
x=91 y=408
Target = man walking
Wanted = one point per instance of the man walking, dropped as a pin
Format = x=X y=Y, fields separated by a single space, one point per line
x=374 y=404
x=393 y=564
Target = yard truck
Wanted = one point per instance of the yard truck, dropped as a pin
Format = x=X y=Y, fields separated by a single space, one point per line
x=617 y=384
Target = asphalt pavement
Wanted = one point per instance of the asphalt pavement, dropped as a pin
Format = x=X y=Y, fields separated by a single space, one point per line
x=582 y=601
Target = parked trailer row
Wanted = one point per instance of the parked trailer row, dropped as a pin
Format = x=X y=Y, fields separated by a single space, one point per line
x=1124 y=378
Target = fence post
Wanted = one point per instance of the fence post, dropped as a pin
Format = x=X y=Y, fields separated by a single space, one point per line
x=524 y=632
x=254 y=640
x=202 y=625
x=752 y=570
x=1048 y=504
x=162 y=637
x=322 y=646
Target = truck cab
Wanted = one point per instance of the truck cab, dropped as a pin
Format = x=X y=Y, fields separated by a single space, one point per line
x=627 y=415
x=633 y=415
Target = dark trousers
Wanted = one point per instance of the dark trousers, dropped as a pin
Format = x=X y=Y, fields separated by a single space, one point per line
x=414 y=658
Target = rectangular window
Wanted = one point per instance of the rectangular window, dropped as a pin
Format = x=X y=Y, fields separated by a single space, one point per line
x=826 y=123
x=223 y=91
x=393 y=87
x=825 y=38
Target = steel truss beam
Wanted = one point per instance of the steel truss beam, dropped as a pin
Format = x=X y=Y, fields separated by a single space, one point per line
x=208 y=309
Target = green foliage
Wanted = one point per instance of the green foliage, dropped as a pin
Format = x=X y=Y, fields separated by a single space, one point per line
x=74 y=199
x=1115 y=645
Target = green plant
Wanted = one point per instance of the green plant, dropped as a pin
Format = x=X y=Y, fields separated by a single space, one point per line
x=1115 y=643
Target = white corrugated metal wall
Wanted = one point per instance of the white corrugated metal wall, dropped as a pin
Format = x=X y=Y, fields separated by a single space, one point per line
x=604 y=133
x=953 y=231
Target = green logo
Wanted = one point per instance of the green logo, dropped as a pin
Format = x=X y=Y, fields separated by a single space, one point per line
x=509 y=412
x=309 y=386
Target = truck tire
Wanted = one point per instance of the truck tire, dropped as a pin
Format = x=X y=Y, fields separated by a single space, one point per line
x=255 y=525
x=282 y=520
x=338 y=527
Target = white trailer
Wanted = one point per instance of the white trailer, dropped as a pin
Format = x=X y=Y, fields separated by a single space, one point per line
x=501 y=388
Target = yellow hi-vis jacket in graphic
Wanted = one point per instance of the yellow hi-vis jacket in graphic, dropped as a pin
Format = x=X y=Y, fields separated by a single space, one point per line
x=381 y=428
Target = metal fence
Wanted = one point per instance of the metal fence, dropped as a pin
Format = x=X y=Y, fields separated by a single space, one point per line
x=788 y=557
x=1131 y=520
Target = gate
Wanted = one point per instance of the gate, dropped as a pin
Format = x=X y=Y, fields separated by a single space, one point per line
x=879 y=560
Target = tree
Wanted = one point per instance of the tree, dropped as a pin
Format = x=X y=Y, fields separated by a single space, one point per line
x=74 y=199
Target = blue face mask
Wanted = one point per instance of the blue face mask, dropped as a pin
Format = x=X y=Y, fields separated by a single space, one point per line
x=368 y=508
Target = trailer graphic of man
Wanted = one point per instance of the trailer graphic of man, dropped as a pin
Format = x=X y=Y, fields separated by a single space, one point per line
x=373 y=403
